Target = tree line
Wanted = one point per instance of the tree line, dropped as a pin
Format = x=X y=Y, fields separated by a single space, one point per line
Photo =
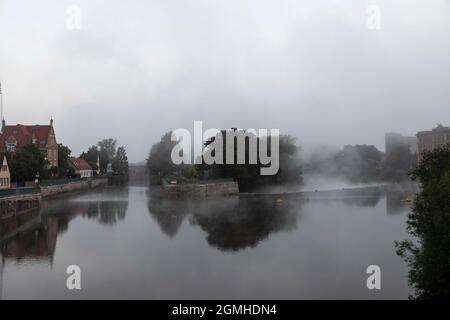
x=248 y=175
x=25 y=163
x=362 y=163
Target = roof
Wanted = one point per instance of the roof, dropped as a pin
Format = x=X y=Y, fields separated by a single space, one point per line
x=25 y=134
x=439 y=129
x=80 y=163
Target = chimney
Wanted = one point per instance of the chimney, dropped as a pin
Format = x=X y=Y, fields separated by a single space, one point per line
x=51 y=121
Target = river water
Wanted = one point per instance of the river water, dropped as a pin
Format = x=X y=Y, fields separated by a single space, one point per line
x=130 y=245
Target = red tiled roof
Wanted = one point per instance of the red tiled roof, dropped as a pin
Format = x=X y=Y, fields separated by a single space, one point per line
x=24 y=135
x=80 y=163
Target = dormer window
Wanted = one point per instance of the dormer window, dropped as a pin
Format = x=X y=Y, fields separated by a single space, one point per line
x=11 y=147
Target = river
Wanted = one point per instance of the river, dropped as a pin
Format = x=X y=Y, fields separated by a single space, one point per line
x=130 y=245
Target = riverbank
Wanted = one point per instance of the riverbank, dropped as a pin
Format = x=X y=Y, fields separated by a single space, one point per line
x=19 y=200
x=200 y=189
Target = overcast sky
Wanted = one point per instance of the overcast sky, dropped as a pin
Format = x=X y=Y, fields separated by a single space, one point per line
x=137 y=69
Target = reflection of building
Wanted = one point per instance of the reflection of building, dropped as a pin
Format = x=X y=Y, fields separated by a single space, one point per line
x=81 y=167
x=430 y=140
x=5 y=176
x=394 y=139
x=15 y=137
x=38 y=243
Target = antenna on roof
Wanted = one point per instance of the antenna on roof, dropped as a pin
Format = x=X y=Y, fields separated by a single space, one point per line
x=1 y=108
x=1 y=100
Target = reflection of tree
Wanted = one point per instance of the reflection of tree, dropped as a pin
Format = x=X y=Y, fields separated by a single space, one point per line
x=429 y=222
x=232 y=223
x=242 y=223
x=111 y=212
x=169 y=213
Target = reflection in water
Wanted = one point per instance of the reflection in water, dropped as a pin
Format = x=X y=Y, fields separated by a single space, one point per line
x=231 y=223
x=36 y=243
x=32 y=236
x=284 y=246
x=168 y=213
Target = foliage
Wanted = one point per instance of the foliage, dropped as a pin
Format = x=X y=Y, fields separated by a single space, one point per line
x=120 y=162
x=398 y=162
x=249 y=175
x=159 y=161
x=64 y=169
x=91 y=157
x=26 y=163
x=429 y=223
x=107 y=152
x=359 y=163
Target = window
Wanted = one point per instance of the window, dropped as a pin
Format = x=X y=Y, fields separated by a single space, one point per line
x=11 y=147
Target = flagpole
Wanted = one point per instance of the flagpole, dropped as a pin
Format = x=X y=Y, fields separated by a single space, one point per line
x=1 y=102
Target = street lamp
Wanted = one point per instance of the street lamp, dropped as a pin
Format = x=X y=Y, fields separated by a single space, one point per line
x=36 y=181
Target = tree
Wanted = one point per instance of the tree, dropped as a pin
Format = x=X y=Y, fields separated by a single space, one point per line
x=398 y=162
x=26 y=163
x=249 y=174
x=429 y=222
x=159 y=161
x=64 y=169
x=120 y=162
x=107 y=151
x=91 y=157
x=359 y=163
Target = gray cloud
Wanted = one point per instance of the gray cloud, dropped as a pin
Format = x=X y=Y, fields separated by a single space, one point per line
x=137 y=69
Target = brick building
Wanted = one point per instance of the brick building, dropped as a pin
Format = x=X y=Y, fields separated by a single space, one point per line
x=15 y=137
x=433 y=139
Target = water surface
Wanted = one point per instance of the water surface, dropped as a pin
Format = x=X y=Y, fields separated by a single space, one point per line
x=129 y=245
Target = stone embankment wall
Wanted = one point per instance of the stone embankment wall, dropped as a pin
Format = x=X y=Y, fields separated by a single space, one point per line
x=49 y=191
x=199 y=190
x=20 y=203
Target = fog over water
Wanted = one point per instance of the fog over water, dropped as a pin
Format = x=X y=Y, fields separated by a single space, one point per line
x=131 y=245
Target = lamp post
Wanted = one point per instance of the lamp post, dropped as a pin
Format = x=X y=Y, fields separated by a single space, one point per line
x=36 y=181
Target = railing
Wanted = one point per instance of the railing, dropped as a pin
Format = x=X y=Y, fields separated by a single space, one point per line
x=19 y=191
x=55 y=182
x=165 y=181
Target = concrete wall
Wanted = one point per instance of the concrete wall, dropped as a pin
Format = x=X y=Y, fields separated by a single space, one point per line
x=202 y=190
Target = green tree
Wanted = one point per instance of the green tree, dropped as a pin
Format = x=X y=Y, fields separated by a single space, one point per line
x=91 y=157
x=249 y=174
x=64 y=169
x=26 y=163
x=159 y=161
x=359 y=163
x=398 y=162
x=107 y=152
x=120 y=162
x=429 y=223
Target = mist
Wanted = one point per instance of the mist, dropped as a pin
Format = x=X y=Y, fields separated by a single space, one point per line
x=136 y=70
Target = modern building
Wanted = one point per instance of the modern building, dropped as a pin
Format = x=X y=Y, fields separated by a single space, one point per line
x=433 y=139
x=393 y=139
x=81 y=167
x=15 y=137
x=5 y=175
